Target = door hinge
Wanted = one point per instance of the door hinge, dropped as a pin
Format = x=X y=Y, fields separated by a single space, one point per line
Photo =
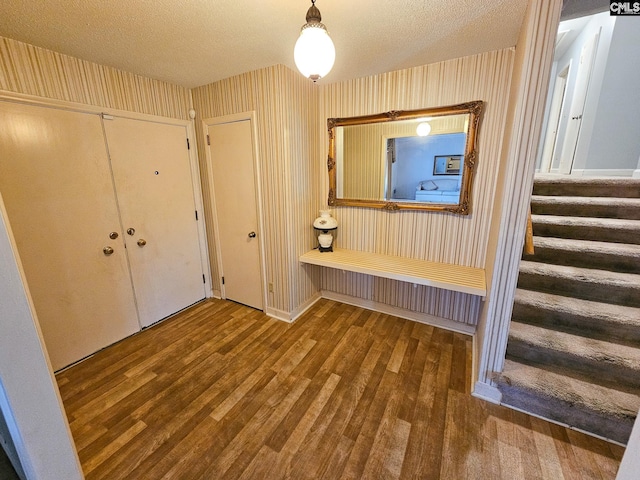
x=204 y=280
x=196 y=215
x=188 y=146
x=208 y=139
x=223 y=280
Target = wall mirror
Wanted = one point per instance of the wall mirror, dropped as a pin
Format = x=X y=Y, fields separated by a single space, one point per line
x=415 y=159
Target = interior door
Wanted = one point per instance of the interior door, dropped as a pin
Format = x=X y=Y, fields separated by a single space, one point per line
x=57 y=187
x=231 y=154
x=152 y=174
x=578 y=99
x=555 y=112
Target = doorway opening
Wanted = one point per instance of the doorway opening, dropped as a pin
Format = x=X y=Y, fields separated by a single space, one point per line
x=236 y=206
x=591 y=115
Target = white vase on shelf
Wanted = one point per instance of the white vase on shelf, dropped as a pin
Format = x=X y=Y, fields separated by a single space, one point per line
x=325 y=224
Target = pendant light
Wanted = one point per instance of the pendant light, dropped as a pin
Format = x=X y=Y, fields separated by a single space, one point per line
x=314 y=52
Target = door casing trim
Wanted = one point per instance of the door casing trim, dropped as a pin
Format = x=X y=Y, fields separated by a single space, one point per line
x=239 y=117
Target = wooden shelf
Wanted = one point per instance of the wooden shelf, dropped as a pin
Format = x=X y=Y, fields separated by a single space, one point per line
x=441 y=275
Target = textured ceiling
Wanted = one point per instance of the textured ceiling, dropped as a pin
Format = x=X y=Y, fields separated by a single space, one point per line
x=196 y=42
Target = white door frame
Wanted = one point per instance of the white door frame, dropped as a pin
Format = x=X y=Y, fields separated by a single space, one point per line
x=238 y=117
x=193 y=155
x=550 y=148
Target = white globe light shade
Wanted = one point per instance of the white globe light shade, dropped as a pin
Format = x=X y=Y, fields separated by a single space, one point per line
x=423 y=129
x=314 y=52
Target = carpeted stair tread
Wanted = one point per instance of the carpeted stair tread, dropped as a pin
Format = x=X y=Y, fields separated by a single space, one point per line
x=620 y=257
x=586 y=228
x=573 y=353
x=587 y=187
x=582 y=317
x=607 y=363
x=603 y=411
x=586 y=283
x=602 y=207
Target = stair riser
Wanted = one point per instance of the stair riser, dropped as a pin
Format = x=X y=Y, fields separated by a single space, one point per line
x=628 y=295
x=599 y=234
x=599 y=211
x=617 y=429
x=578 y=324
x=600 y=260
x=582 y=190
x=603 y=371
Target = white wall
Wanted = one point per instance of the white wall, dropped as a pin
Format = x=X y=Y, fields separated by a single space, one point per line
x=532 y=67
x=630 y=465
x=614 y=140
x=603 y=24
x=31 y=403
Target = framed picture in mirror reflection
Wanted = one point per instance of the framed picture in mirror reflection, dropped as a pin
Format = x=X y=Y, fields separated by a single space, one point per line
x=447 y=164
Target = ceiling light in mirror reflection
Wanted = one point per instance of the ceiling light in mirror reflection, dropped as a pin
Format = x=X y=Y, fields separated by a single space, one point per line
x=423 y=129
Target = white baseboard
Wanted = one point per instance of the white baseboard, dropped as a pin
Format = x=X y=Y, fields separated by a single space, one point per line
x=487 y=392
x=603 y=172
x=630 y=464
x=291 y=317
x=636 y=173
x=216 y=294
x=278 y=314
x=401 y=312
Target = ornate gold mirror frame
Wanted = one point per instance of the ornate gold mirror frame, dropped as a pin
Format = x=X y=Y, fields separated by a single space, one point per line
x=467 y=113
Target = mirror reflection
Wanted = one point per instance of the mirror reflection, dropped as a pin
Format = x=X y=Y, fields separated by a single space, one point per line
x=421 y=159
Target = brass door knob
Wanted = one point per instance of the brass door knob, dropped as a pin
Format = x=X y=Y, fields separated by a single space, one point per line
x=113 y=235
x=142 y=242
x=131 y=231
x=107 y=250
x=252 y=234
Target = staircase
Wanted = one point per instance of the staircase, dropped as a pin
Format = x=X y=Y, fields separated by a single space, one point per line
x=573 y=353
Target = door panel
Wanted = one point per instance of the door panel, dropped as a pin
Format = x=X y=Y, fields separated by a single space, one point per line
x=555 y=112
x=152 y=173
x=583 y=76
x=235 y=196
x=57 y=187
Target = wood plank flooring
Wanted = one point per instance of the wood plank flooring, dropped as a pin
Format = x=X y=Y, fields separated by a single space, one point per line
x=221 y=391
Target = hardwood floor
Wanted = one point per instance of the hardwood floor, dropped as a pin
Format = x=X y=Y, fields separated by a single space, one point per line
x=223 y=392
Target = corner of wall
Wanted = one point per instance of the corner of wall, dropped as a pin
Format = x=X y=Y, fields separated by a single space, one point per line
x=487 y=392
x=38 y=424
x=534 y=57
x=300 y=118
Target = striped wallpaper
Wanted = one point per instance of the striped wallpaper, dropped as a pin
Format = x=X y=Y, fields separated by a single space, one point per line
x=434 y=236
x=292 y=140
x=36 y=71
x=364 y=169
x=293 y=148
x=288 y=138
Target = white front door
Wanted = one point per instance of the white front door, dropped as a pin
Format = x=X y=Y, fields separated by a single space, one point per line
x=58 y=192
x=232 y=165
x=152 y=174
